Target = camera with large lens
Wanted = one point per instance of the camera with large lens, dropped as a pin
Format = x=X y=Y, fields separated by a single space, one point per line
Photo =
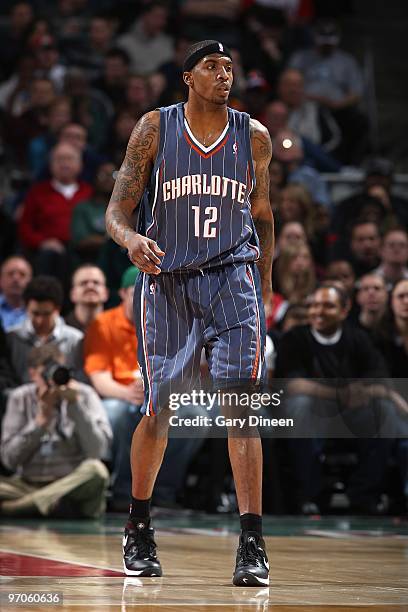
x=56 y=373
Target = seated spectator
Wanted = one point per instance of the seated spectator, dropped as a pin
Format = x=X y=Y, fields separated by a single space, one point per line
x=209 y=19
x=69 y=18
x=277 y=180
x=294 y=275
x=115 y=75
x=393 y=332
x=307 y=117
x=88 y=232
x=88 y=295
x=15 y=274
x=13 y=36
x=288 y=149
x=39 y=148
x=48 y=60
x=328 y=348
x=276 y=115
x=394 y=257
x=292 y=233
x=372 y=298
x=8 y=234
x=393 y=342
x=114 y=262
x=137 y=98
x=91 y=53
x=121 y=130
x=371 y=210
x=264 y=41
x=43 y=300
x=39 y=29
x=175 y=89
x=32 y=122
x=45 y=225
x=156 y=84
x=53 y=439
x=365 y=246
x=100 y=39
x=342 y=271
x=377 y=185
x=92 y=108
x=295 y=205
x=147 y=44
x=296 y=314
x=77 y=135
x=110 y=361
x=255 y=95
x=334 y=80
x=8 y=377
x=15 y=92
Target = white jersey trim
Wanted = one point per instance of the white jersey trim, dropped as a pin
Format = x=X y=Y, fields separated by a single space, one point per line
x=156 y=190
x=144 y=340
x=198 y=143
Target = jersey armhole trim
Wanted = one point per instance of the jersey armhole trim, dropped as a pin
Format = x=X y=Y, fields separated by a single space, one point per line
x=251 y=169
x=160 y=146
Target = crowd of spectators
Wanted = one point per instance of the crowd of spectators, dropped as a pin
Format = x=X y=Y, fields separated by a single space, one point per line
x=75 y=76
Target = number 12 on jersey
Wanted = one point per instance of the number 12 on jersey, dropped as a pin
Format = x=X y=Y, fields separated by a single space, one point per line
x=209 y=230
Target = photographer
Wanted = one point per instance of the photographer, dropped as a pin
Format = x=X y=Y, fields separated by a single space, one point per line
x=54 y=432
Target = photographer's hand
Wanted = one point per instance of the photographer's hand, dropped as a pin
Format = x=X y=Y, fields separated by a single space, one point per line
x=134 y=393
x=47 y=403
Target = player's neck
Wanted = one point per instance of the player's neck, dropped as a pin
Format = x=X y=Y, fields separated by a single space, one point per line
x=206 y=120
x=199 y=112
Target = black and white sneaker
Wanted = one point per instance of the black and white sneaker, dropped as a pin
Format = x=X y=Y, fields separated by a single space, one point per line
x=252 y=567
x=139 y=551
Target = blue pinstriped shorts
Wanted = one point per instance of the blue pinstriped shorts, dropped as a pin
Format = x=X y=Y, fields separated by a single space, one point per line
x=178 y=314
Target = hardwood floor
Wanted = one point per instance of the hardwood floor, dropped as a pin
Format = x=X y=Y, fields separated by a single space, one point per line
x=348 y=572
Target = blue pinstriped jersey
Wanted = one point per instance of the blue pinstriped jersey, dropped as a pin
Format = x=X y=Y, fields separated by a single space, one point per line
x=197 y=205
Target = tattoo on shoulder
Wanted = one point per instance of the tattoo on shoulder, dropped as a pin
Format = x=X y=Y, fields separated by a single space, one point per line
x=261 y=141
x=135 y=170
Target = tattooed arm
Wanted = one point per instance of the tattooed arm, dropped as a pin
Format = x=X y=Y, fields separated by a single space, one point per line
x=130 y=184
x=260 y=205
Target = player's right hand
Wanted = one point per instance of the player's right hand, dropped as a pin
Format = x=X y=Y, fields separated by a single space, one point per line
x=144 y=253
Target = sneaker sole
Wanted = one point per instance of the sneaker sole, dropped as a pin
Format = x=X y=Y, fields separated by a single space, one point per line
x=250 y=580
x=148 y=572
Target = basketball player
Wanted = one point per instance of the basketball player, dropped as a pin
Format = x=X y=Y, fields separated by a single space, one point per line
x=201 y=172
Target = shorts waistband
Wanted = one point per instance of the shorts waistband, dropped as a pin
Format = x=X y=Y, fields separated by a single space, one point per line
x=202 y=271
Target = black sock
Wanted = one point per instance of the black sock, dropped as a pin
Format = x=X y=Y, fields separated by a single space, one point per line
x=251 y=522
x=139 y=511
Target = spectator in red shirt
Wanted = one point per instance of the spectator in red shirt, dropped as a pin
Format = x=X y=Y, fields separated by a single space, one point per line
x=45 y=223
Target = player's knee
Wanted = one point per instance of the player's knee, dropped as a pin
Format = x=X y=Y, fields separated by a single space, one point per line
x=156 y=426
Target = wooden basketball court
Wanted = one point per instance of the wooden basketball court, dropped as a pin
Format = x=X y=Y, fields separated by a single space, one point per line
x=334 y=564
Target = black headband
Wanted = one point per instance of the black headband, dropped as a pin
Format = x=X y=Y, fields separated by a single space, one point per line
x=196 y=56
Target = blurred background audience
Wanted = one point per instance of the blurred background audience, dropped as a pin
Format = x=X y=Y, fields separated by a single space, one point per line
x=74 y=79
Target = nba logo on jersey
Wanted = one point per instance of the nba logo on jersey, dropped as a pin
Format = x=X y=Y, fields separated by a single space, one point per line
x=235 y=148
x=152 y=288
x=221 y=47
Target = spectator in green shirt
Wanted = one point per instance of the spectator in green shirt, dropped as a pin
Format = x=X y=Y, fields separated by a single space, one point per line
x=88 y=219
